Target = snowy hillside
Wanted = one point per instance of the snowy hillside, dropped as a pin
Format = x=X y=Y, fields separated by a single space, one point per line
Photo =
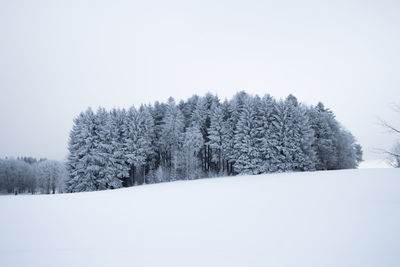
x=334 y=218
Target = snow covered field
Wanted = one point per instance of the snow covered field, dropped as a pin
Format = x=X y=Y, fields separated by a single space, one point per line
x=334 y=218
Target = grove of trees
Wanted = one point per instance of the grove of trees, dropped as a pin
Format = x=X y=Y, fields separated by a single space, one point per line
x=204 y=137
x=29 y=175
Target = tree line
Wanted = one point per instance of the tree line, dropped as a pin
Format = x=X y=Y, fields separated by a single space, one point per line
x=30 y=175
x=204 y=137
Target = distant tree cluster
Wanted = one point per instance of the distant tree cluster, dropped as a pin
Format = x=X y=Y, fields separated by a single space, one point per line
x=205 y=137
x=29 y=175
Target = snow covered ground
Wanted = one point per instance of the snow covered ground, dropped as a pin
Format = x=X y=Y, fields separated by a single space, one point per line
x=334 y=218
x=378 y=163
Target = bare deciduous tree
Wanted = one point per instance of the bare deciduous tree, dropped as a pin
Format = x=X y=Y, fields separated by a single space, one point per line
x=394 y=153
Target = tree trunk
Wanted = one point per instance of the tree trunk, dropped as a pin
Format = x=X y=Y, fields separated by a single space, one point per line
x=144 y=174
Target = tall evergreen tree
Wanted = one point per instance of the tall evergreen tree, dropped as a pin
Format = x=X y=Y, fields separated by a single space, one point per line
x=120 y=166
x=105 y=152
x=192 y=144
x=268 y=134
x=235 y=108
x=248 y=157
x=84 y=164
x=135 y=145
x=228 y=138
x=172 y=137
x=216 y=136
x=188 y=108
x=158 y=114
x=295 y=137
x=323 y=123
x=149 y=138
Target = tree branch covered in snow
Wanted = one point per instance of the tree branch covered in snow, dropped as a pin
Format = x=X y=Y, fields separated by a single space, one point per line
x=394 y=153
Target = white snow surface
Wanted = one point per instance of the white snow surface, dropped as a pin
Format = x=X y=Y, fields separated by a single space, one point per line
x=378 y=163
x=331 y=218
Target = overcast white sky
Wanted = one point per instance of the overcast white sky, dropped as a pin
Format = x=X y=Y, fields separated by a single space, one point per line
x=59 y=57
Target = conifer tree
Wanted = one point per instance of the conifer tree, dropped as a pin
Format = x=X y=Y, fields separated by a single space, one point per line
x=83 y=162
x=323 y=123
x=172 y=137
x=158 y=114
x=149 y=139
x=248 y=158
x=235 y=107
x=228 y=139
x=295 y=137
x=135 y=144
x=119 y=162
x=106 y=152
x=216 y=136
x=192 y=145
x=268 y=135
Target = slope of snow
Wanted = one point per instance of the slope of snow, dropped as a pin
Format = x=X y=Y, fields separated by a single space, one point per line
x=333 y=218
